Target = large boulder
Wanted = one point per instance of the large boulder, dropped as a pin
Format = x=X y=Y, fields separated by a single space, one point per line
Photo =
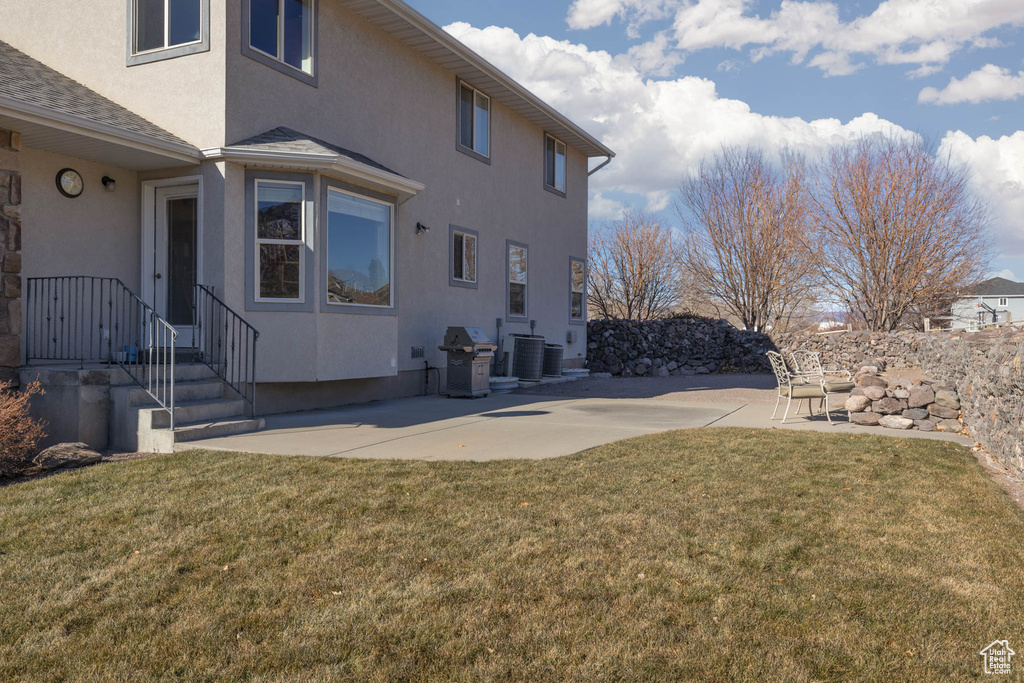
x=925 y=425
x=67 y=455
x=915 y=414
x=895 y=422
x=942 y=412
x=950 y=426
x=875 y=393
x=857 y=404
x=867 y=419
x=948 y=399
x=872 y=381
x=921 y=397
x=889 y=406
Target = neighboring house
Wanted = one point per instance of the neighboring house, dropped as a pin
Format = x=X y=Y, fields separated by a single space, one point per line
x=341 y=176
x=994 y=301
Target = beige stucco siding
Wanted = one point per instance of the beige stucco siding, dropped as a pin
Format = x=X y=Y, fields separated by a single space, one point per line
x=96 y=234
x=87 y=41
x=380 y=98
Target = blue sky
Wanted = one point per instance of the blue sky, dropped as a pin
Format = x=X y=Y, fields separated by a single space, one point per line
x=666 y=82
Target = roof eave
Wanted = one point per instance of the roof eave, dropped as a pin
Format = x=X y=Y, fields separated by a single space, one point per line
x=343 y=166
x=80 y=125
x=585 y=142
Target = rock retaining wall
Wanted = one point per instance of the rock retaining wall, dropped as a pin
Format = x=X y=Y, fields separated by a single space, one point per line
x=985 y=369
x=10 y=256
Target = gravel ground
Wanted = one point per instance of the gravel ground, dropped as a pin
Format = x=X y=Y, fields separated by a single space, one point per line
x=760 y=389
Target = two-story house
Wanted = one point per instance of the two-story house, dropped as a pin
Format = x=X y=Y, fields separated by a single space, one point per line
x=300 y=194
x=997 y=301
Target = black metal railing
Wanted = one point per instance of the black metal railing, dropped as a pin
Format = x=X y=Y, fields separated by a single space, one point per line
x=226 y=344
x=99 y=320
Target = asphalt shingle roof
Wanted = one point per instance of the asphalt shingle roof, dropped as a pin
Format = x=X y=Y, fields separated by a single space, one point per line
x=288 y=140
x=28 y=80
x=997 y=286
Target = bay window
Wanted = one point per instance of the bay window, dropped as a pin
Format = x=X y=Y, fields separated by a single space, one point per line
x=359 y=245
x=280 y=240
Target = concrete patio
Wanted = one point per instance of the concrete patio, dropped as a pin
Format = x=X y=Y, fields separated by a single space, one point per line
x=542 y=422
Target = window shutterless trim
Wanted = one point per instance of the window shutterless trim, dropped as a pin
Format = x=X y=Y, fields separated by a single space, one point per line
x=327 y=184
x=452 y=281
x=252 y=303
x=508 y=283
x=271 y=60
x=134 y=58
x=469 y=151
x=551 y=188
x=583 y=320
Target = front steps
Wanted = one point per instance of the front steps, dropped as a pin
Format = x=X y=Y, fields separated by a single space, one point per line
x=204 y=407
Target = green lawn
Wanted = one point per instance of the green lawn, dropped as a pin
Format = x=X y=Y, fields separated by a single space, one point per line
x=709 y=554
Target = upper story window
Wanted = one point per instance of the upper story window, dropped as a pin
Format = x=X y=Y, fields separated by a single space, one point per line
x=282 y=34
x=554 y=165
x=280 y=240
x=161 y=29
x=474 y=122
x=1002 y=302
x=359 y=250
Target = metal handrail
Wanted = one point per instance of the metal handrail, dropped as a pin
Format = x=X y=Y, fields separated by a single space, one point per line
x=224 y=342
x=99 y=320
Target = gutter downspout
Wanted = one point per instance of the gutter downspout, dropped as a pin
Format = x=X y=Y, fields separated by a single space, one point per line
x=602 y=165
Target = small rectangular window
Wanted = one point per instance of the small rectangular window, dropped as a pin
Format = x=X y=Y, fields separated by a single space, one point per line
x=1002 y=302
x=474 y=121
x=283 y=31
x=280 y=240
x=463 y=257
x=577 y=291
x=518 y=258
x=554 y=164
x=167 y=26
x=359 y=249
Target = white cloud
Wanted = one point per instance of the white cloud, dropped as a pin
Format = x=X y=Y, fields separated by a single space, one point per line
x=604 y=209
x=921 y=33
x=987 y=83
x=660 y=129
x=1004 y=273
x=998 y=167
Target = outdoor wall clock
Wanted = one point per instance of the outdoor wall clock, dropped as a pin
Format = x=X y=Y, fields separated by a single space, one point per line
x=70 y=183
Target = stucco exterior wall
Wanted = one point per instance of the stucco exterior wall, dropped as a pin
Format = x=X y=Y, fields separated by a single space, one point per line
x=967 y=309
x=382 y=99
x=96 y=234
x=88 y=42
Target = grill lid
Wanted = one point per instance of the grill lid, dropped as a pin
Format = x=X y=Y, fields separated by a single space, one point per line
x=466 y=339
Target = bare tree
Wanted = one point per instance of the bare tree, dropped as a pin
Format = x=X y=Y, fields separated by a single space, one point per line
x=633 y=268
x=744 y=217
x=895 y=229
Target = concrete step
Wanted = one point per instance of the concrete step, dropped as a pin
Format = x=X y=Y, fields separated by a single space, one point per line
x=205 y=389
x=187 y=412
x=167 y=441
x=183 y=372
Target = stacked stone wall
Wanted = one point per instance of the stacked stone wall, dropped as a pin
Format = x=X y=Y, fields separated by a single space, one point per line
x=985 y=369
x=10 y=255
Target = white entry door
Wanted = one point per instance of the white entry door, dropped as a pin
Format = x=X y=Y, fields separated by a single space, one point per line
x=176 y=259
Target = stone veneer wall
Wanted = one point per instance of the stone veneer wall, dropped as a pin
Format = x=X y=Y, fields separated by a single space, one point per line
x=10 y=256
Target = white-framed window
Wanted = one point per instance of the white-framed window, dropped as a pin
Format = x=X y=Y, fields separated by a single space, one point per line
x=284 y=31
x=360 y=250
x=280 y=241
x=161 y=29
x=1002 y=302
x=577 y=290
x=474 y=114
x=463 y=256
x=554 y=164
x=518 y=270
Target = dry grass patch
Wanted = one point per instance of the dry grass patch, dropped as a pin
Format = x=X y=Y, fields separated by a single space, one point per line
x=707 y=554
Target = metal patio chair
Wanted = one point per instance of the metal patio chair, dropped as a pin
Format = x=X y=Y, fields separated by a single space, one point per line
x=800 y=387
x=808 y=364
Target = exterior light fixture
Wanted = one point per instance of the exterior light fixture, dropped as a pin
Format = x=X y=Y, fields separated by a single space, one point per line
x=108 y=183
x=421 y=229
